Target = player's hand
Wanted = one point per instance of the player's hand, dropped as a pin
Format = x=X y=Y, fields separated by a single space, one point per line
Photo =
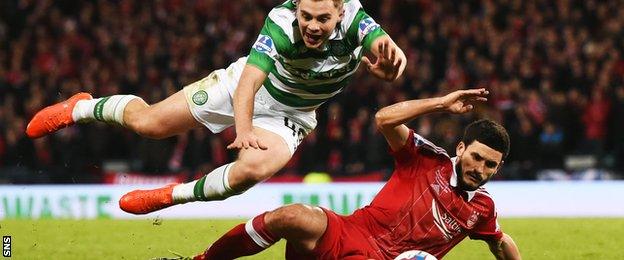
x=462 y=101
x=390 y=61
x=247 y=140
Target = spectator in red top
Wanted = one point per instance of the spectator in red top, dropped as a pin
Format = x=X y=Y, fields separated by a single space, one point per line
x=595 y=118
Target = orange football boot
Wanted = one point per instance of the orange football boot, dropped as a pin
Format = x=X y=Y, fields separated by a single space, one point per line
x=54 y=117
x=145 y=201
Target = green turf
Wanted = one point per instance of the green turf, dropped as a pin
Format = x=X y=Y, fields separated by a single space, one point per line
x=144 y=239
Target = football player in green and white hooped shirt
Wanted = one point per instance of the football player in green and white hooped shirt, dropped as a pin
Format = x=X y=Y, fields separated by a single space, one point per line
x=305 y=54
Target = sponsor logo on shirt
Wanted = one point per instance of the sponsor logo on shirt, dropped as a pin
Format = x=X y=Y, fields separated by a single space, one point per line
x=264 y=44
x=367 y=25
x=310 y=74
x=445 y=222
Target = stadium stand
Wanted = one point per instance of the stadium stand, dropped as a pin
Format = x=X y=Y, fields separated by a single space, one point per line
x=555 y=70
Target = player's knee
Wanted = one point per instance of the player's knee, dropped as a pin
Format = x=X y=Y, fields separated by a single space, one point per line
x=255 y=171
x=288 y=217
x=146 y=126
x=300 y=224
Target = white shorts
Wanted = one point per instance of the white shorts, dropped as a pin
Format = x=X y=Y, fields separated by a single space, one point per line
x=210 y=101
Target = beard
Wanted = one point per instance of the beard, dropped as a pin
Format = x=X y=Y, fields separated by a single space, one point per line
x=460 y=179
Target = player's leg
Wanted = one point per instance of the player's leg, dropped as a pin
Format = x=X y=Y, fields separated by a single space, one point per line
x=251 y=167
x=301 y=225
x=166 y=118
x=211 y=104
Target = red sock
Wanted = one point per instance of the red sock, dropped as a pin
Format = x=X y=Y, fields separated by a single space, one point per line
x=243 y=240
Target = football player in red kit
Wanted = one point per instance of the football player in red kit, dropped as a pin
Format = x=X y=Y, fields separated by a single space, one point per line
x=431 y=202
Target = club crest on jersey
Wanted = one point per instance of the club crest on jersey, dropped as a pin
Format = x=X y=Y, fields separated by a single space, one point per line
x=264 y=44
x=367 y=25
x=200 y=97
x=473 y=219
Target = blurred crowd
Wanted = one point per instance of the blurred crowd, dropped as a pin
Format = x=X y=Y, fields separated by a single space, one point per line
x=555 y=70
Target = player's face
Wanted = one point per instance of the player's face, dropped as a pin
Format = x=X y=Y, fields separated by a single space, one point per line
x=476 y=164
x=317 y=20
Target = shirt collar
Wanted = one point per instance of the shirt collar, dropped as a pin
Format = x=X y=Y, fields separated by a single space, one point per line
x=453 y=180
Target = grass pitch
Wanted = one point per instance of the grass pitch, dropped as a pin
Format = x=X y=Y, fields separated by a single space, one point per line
x=540 y=238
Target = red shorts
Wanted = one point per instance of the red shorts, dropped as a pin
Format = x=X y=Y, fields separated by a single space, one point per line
x=342 y=239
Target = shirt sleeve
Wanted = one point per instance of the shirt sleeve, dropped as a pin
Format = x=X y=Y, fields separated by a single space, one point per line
x=364 y=30
x=488 y=229
x=412 y=148
x=265 y=50
x=406 y=153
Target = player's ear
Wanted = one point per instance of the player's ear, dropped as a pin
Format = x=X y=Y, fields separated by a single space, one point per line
x=459 y=150
x=341 y=15
x=341 y=11
x=500 y=165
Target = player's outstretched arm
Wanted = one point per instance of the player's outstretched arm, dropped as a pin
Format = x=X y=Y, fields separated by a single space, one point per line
x=505 y=248
x=249 y=83
x=391 y=60
x=390 y=120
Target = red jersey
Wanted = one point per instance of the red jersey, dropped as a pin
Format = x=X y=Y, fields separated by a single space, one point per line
x=420 y=207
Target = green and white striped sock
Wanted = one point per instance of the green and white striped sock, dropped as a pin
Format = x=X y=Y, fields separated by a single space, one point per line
x=107 y=109
x=213 y=186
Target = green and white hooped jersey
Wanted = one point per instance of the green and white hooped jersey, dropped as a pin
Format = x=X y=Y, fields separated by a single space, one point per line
x=303 y=78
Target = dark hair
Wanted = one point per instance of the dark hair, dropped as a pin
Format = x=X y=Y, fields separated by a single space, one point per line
x=489 y=133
